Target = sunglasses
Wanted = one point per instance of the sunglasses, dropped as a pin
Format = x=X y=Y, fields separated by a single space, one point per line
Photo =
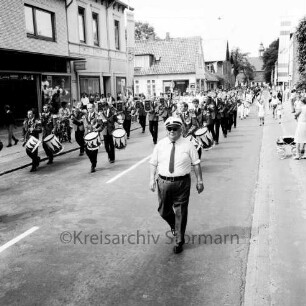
x=174 y=129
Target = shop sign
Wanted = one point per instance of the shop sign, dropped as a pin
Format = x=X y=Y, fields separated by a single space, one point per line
x=80 y=65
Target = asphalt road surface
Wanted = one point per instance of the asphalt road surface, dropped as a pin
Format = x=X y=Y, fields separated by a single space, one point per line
x=97 y=238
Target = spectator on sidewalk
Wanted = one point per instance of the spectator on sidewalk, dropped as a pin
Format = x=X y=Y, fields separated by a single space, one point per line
x=261 y=111
x=10 y=123
x=300 y=133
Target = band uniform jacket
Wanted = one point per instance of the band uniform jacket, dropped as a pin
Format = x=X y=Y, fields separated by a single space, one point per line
x=78 y=120
x=141 y=110
x=111 y=118
x=47 y=123
x=31 y=127
x=190 y=123
x=169 y=108
x=220 y=108
x=153 y=113
x=92 y=122
x=127 y=110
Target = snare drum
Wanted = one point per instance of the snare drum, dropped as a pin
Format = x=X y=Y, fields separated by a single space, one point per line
x=32 y=144
x=120 y=138
x=92 y=141
x=204 y=138
x=52 y=142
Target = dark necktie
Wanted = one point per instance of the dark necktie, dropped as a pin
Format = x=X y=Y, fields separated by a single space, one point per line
x=171 y=163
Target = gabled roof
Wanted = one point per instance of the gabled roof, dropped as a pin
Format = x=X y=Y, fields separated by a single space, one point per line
x=215 y=50
x=176 y=55
x=257 y=62
x=211 y=77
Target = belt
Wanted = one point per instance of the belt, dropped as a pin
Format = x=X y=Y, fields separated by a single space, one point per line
x=174 y=178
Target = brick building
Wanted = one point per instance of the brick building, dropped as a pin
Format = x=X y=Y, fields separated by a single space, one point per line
x=33 y=49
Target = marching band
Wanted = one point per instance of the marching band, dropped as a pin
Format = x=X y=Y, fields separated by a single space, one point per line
x=109 y=122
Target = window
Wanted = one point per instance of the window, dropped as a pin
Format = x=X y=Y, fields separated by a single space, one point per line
x=95 y=28
x=39 y=23
x=117 y=38
x=82 y=35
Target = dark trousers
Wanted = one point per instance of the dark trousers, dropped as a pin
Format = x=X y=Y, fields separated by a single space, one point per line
x=224 y=126
x=173 y=199
x=211 y=129
x=92 y=155
x=200 y=152
x=109 y=147
x=79 y=137
x=34 y=157
x=49 y=153
x=153 y=127
x=217 y=128
x=11 y=136
x=142 y=122
x=235 y=118
x=229 y=122
x=127 y=126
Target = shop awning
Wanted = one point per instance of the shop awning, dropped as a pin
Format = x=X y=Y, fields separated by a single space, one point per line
x=17 y=60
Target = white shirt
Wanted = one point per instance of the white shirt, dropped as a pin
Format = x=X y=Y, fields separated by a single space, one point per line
x=185 y=156
x=85 y=101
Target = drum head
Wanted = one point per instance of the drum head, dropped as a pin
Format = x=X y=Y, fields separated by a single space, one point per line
x=119 y=133
x=48 y=138
x=200 y=131
x=91 y=136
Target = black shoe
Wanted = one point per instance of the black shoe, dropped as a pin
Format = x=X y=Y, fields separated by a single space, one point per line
x=38 y=161
x=143 y=131
x=50 y=162
x=81 y=154
x=16 y=141
x=9 y=145
x=128 y=137
x=93 y=169
x=178 y=249
x=33 y=169
x=225 y=136
x=111 y=161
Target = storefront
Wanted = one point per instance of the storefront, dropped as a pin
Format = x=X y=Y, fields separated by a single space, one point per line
x=27 y=79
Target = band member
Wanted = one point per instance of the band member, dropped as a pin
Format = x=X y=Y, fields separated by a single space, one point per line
x=31 y=127
x=92 y=124
x=219 y=120
x=142 y=116
x=210 y=115
x=77 y=117
x=171 y=160
x=127 y=111
x=153 y=120
x=48 y=124
x=109 y=118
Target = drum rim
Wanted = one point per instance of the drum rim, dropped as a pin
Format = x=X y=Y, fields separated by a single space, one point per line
x=45 y=139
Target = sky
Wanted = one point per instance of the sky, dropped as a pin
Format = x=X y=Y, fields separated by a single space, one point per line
x=245 y=24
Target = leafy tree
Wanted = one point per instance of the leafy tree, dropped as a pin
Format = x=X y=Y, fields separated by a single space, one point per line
x=301 y=50
x=269 y=57
x=143 y=31
x=241 y=64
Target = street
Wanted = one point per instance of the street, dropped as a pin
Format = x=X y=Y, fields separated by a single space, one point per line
x=101 y=241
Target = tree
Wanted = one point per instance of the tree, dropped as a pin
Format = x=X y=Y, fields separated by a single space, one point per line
x=241 y=64
x=301 y=52
x=269 y=57
x=143 y=31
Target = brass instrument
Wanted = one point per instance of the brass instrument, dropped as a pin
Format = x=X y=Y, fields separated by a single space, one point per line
x=147 y=106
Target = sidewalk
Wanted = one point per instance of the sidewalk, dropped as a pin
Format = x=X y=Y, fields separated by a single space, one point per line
x=15 y=157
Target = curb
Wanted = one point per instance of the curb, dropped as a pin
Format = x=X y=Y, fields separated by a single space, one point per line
x=45 y=158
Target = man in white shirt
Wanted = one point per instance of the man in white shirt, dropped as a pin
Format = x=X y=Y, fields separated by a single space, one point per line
x=172 y=159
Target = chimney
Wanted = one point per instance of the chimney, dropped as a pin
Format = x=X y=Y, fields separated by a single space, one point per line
x=167 y=36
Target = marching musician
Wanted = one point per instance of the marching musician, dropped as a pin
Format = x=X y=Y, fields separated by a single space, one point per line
x=77 y=117
x=169 y=108
x=92 y=124
x=48 y=124
x=210 y=115
x=220 y=118
x=153 y=120
x=142 y=115
x=109 y=117
x=31 y=127
x=127 y=111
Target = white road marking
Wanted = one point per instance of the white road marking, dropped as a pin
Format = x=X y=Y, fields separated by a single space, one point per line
x=18 y=238
x=127 y=170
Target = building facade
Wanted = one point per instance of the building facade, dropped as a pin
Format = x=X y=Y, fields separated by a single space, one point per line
x=33 y=50
x=170 y=65
x=97 y=32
